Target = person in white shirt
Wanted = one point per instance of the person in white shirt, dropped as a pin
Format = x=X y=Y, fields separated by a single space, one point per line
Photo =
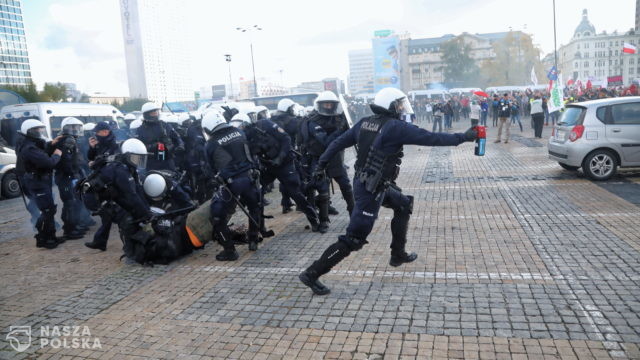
x=537 y=115
x=475 y=112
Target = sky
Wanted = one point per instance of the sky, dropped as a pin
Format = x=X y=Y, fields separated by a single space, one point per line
x=80 y=41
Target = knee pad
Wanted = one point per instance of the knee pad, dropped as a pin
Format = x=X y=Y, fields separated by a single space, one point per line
x=353 y=243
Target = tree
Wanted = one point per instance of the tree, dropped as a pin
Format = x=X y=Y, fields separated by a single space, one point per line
x=459 y=68
x=54 y=92
x=132 y=105
x=515 y=55
x=28 y=92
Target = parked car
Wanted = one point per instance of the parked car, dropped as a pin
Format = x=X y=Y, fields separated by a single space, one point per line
x=9 y=186
x=598 y=136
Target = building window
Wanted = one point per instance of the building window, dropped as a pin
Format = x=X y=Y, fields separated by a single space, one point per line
x=630 y=70
x=586 y=73
x=631 y=61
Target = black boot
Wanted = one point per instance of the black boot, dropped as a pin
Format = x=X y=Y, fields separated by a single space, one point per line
x=228 y=255
x=286 y=209
x=73 y=235
x=96 y=245
x=402 y=258
x=333 y=211
x=323 y=212
x=310 y=279
x=253 y=241
x=330 y=258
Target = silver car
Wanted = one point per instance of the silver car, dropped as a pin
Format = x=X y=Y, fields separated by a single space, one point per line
x=598 y=136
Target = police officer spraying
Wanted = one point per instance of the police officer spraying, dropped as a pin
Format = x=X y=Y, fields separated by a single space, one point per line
x=379 y=140
x=160 y=139
x=228 y=154
x=39 y=158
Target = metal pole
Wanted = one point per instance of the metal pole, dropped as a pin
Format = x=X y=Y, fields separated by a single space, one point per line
x=228 y=58
x=253 y=66
x=555 y=49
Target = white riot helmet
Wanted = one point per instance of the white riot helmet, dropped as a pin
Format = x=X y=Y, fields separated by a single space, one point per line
x=135 y=153
x=34 y=129
x=213 y=121
x=285 y=104
x=184 y=119
x=391 y=101
x=148 y=108
x=129 y=117
x=251 y=113
x=155 y=186
x=88 y=127
x=71 y=126
x=262 y=112
x=327 y=104
x=240 y=121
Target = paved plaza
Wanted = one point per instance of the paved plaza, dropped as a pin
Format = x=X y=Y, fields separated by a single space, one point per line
x=518 y=259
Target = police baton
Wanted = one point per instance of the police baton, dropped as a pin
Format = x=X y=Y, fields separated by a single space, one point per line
x=223 y=184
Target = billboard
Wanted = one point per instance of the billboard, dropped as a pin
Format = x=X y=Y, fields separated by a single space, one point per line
x=386 y=63
x=218 y=91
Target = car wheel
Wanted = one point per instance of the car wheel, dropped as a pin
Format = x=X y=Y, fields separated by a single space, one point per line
x=10 y=186
x=600 y=165
x=569 y=167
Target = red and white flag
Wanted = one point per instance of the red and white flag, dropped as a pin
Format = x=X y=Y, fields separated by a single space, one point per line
x=629 y=49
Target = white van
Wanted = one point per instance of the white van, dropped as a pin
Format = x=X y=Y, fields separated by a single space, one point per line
x=51 y=114
x=428 y=94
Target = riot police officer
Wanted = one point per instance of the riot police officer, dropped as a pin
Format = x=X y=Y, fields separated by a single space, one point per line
x=195 y=162
x=379 y=139
x=160 y=139
x=164 y=191
x=68 y=173
x=286 y=118
x=116 y=187
x=228 y=154
x=39 y=159
x=325 y=124
x=272 y=145
x=101 y=146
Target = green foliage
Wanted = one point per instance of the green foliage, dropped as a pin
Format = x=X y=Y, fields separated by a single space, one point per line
x=515 y=56
x=131 y=105
x=459 y=68
x=54 y=92
x=29 y=92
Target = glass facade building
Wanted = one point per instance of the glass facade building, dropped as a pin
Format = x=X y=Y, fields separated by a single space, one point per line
x=14 y=57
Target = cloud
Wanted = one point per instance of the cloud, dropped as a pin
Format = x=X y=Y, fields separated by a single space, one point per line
x=87 y=51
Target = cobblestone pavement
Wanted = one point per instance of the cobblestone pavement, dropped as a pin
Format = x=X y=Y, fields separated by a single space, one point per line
x=518 y=258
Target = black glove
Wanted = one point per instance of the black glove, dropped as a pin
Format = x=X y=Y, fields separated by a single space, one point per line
x=471 y=134
x=319 y=174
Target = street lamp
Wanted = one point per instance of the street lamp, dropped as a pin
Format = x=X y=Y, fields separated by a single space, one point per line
x=227 y=58
x=253 y=65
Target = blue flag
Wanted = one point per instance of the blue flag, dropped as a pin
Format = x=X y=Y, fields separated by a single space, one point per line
x=552 y=74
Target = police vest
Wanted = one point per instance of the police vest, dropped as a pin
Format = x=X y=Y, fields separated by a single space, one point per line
x=231 y=155
x=262 y=144
x=369 y=132
x=310 y=130
x=29 y=166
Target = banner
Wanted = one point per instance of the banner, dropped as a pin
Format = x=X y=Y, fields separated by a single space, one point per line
x=556 y=101
x=614 y=80
x=386 y=63
x=534 y=78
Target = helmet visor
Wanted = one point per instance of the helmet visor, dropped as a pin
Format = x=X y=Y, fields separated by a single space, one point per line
x=74 y=130
x=138 y=160
x=264 y=114
x=328 y=108
x=403 y=106
x=38 y=133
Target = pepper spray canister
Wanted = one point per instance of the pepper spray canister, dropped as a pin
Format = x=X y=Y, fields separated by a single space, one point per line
x=481 y=140
x=161 y=151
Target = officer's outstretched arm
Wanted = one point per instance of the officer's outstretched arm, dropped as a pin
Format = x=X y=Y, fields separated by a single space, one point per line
x=348 y=139
x=128 y=197
x=413 y=135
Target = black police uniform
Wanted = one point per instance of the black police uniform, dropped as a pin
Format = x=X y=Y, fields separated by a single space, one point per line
x=157 y=134
x=290 y=124
x=229 y=156
x=20 y=171
x=315 y=135
x=106 y=146
x=196 y=162
x=117 y=187
x=379 y=140
x=68 y=173
x=272 y=145
x=37 y=181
